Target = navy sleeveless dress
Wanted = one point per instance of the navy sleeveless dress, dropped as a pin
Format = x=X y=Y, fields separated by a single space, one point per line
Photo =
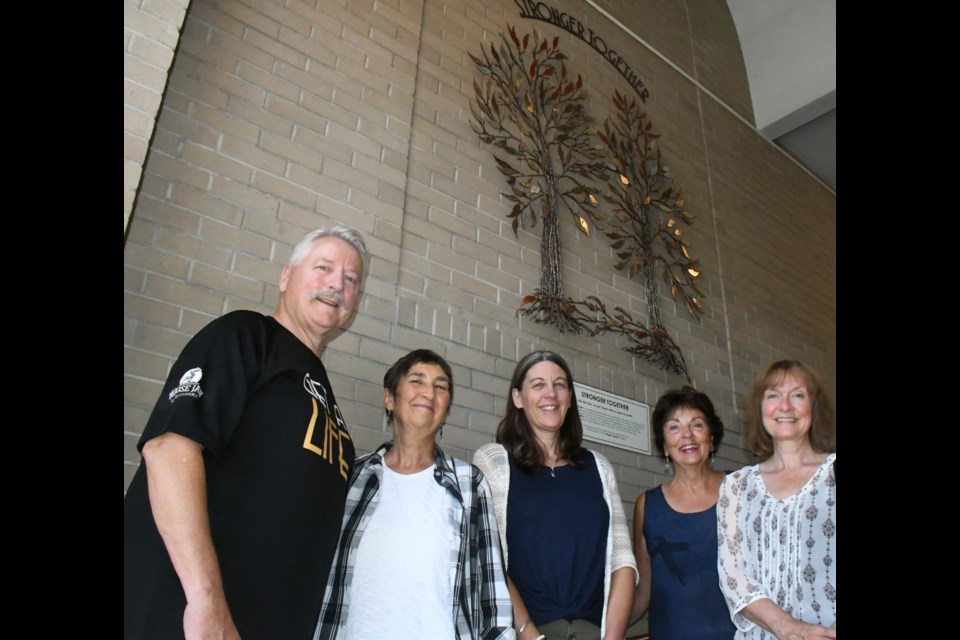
x=685 y=599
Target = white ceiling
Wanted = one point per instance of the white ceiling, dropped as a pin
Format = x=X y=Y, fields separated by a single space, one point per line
x=790 y=53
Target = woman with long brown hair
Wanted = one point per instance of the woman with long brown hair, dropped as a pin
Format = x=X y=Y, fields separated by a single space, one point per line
x=570 y=568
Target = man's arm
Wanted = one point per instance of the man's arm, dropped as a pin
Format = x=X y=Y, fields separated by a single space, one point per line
x=177 y=485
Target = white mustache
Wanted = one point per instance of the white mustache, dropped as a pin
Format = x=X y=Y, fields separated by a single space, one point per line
x=330 y=294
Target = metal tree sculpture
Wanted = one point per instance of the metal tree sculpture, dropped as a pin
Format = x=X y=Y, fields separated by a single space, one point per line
x=652 y=343
x=647 y=212
x=529 y=107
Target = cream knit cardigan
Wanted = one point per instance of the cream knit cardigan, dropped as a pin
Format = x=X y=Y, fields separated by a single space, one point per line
x=492 y=459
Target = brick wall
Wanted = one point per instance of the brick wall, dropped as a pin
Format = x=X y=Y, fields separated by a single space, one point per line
x=283 y=116
x=151 y=30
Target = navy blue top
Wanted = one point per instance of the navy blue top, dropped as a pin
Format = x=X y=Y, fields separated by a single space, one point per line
x=685 y=599
x=557 y=536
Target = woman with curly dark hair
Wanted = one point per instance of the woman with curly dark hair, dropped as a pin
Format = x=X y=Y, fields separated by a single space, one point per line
x=675 y=525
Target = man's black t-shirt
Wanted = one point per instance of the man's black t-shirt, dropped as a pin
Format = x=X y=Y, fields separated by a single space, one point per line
x=277 y=456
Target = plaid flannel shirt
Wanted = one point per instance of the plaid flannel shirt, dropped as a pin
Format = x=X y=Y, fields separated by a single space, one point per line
x=481 y=607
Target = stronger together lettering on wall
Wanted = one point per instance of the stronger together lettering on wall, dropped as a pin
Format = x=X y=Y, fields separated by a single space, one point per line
x=531 y=9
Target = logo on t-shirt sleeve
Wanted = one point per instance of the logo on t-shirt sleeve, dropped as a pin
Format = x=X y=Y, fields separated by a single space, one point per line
x=189 y=385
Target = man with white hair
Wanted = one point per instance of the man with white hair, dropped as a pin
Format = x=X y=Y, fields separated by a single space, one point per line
x=231 y=521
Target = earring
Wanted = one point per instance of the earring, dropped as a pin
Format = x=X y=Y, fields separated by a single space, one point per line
x=441 y=428
x=389 y=415
x=713 y=457
x=666 y=464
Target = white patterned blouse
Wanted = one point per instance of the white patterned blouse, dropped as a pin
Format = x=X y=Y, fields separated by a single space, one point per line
x=784 y=550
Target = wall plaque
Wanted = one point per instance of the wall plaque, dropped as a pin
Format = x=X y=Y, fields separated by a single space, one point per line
x=614 y=420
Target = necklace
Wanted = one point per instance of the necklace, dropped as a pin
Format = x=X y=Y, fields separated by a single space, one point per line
x=553 y=470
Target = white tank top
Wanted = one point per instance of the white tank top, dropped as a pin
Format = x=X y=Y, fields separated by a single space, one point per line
x=406 y=562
